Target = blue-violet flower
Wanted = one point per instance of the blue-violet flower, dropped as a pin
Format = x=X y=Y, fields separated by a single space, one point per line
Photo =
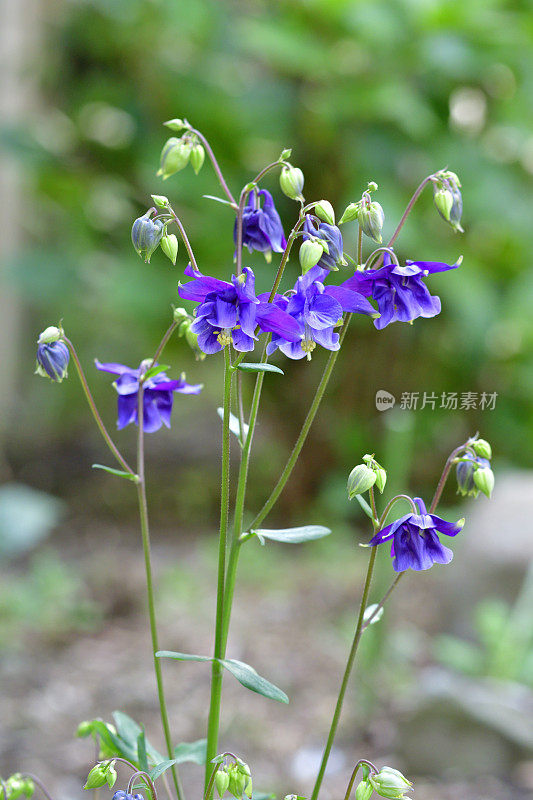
x=416 y=544
x=399 y=291
x=157 y=395
x=261 y=225
x=331 y=235
x=229 y=312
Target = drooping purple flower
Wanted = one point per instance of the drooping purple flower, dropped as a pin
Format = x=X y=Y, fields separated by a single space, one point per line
x=52 y=360
x=400 y=292
x=416 y=544
x=230 y=312
x=261 y=225
x=330 y=234
x=317 y=309
x=158 y=395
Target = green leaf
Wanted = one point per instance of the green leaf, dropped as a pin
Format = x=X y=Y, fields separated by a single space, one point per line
x=181 y=656
x=250 y=679
x=160 y=768
x=155 y=370
x=191 y=751
x=128 y=738
x=305 y=533
x=364 y=505
x=218 y=199
x=141 y=752
x=121 y=474
x=244 y=366
x=234 y=424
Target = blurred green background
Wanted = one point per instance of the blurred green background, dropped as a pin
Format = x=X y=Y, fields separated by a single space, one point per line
x=384 y=90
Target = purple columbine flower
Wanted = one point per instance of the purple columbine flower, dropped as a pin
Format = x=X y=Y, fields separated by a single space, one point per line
x=333 y=238
x=400 y=292
x=52 y=360
x=317 y=309
x=230 y=312
x=465 y=471
x=416 y=544
x=261 y=225
x=157 y=395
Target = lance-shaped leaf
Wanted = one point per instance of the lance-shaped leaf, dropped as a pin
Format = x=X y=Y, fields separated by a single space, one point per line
x=155 y=370
x=245 y=366
x=305 y=533
x=130 y=476
x=364 y=505
x=234 y=424
x=370 y=614
x=182 y=656
x=195 y=752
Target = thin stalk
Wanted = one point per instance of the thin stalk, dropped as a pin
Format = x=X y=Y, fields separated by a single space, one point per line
x=300 y=441
x=145 y=532
x=92 y=405
x=37 y=781
x=445 y=472
x=383 y=600
x=409 y=208
x=184 y=236
x=216 y=166
x=346 y=677
x=164 y=341
x=369 y=764
x=216 y=673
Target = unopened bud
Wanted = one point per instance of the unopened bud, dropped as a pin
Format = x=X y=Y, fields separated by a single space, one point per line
x=310 y=254
x=360 y=480
x=371 y=219
x=176 y=124
x=381 y=478
x=443 y=200
x=364 y=791
x=84 y=729
x=351 y=212
x=197 y=157
x=221 y=782
x=169 y=246
x=97 y=777
x=146 y=235
x=174 y=156
x=390 y=783
x=482 y=448
x=324 y=210
x=49 y=335
x=160 y=200
x=291 y=181
x=52 y=361
x=484 y=480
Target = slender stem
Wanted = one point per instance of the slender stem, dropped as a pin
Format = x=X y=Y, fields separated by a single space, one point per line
x=216 y=673
x=354 y=773
x=300 y=441
x=238 y=251
x=140 y=773
x=445 y=472
x=164 y=341
x=346 y=677
x=360 y=247
x=383 y=600
x=145 y=532
x=92 y=405
x=216 y=166
x=412 y=201
x=184 y=236
x=236 y=543
x=38 y=782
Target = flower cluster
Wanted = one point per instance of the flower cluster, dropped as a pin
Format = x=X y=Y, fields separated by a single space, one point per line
x=416 y=544
x=158 y=394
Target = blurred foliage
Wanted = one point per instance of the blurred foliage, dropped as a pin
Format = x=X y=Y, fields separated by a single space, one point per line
x=378 y=90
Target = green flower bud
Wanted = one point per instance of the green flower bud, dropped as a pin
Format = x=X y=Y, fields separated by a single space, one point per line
x=324 y=210
x=372 y=186
x=85 y=729
x=97 y=777
x=176 y=124
x=169 y=246
x=443 y=200
x=160 y=200
x=484 y=480
x=310 y=254
x=291 y=181
x=390 y=783
x=364 y=791
x=174 y=157
x=192 y=340
x=111 y=776
x=360 y=480
x=49 y=335
x=447 y=181
x=371 y=219
x=15 y=786
x=197 y=157
x=482 y=448
x=285 y=154
x=146 y=235
x=351 y=212
x=248 y=791
x=221 y=782
x=381 y=478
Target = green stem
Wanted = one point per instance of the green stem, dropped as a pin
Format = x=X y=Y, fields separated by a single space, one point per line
x=92 y=405
x=346 y=677
x=216 y=673
x=216 y=166
x=289 y=466
x=145 y=532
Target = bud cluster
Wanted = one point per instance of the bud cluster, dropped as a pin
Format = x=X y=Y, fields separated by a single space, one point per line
x=368 y=213
x=17 y=785
x=447 y=197
x=234 y=777
x=473 y=471
x=364 y=476
x=102 y=774
x=177 y=152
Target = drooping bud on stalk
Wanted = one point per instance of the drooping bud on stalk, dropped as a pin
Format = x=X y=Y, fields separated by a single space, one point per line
x=97 y=777
x=146 y=235
x=160 y=200
x=482 y=448
x=447 y=185
x=174 y=156
x=443 y=200
x=351 y=212
x=169 y=246
x=291 y=181
x=197 y=157
x=52 y=359
x=360 y=480
x=221 y=782
x=484 y=480
x=371 y=219
x=324 y=210
x=310 y=254
x=380 y=473
x=364 y=791
x=390 y=783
